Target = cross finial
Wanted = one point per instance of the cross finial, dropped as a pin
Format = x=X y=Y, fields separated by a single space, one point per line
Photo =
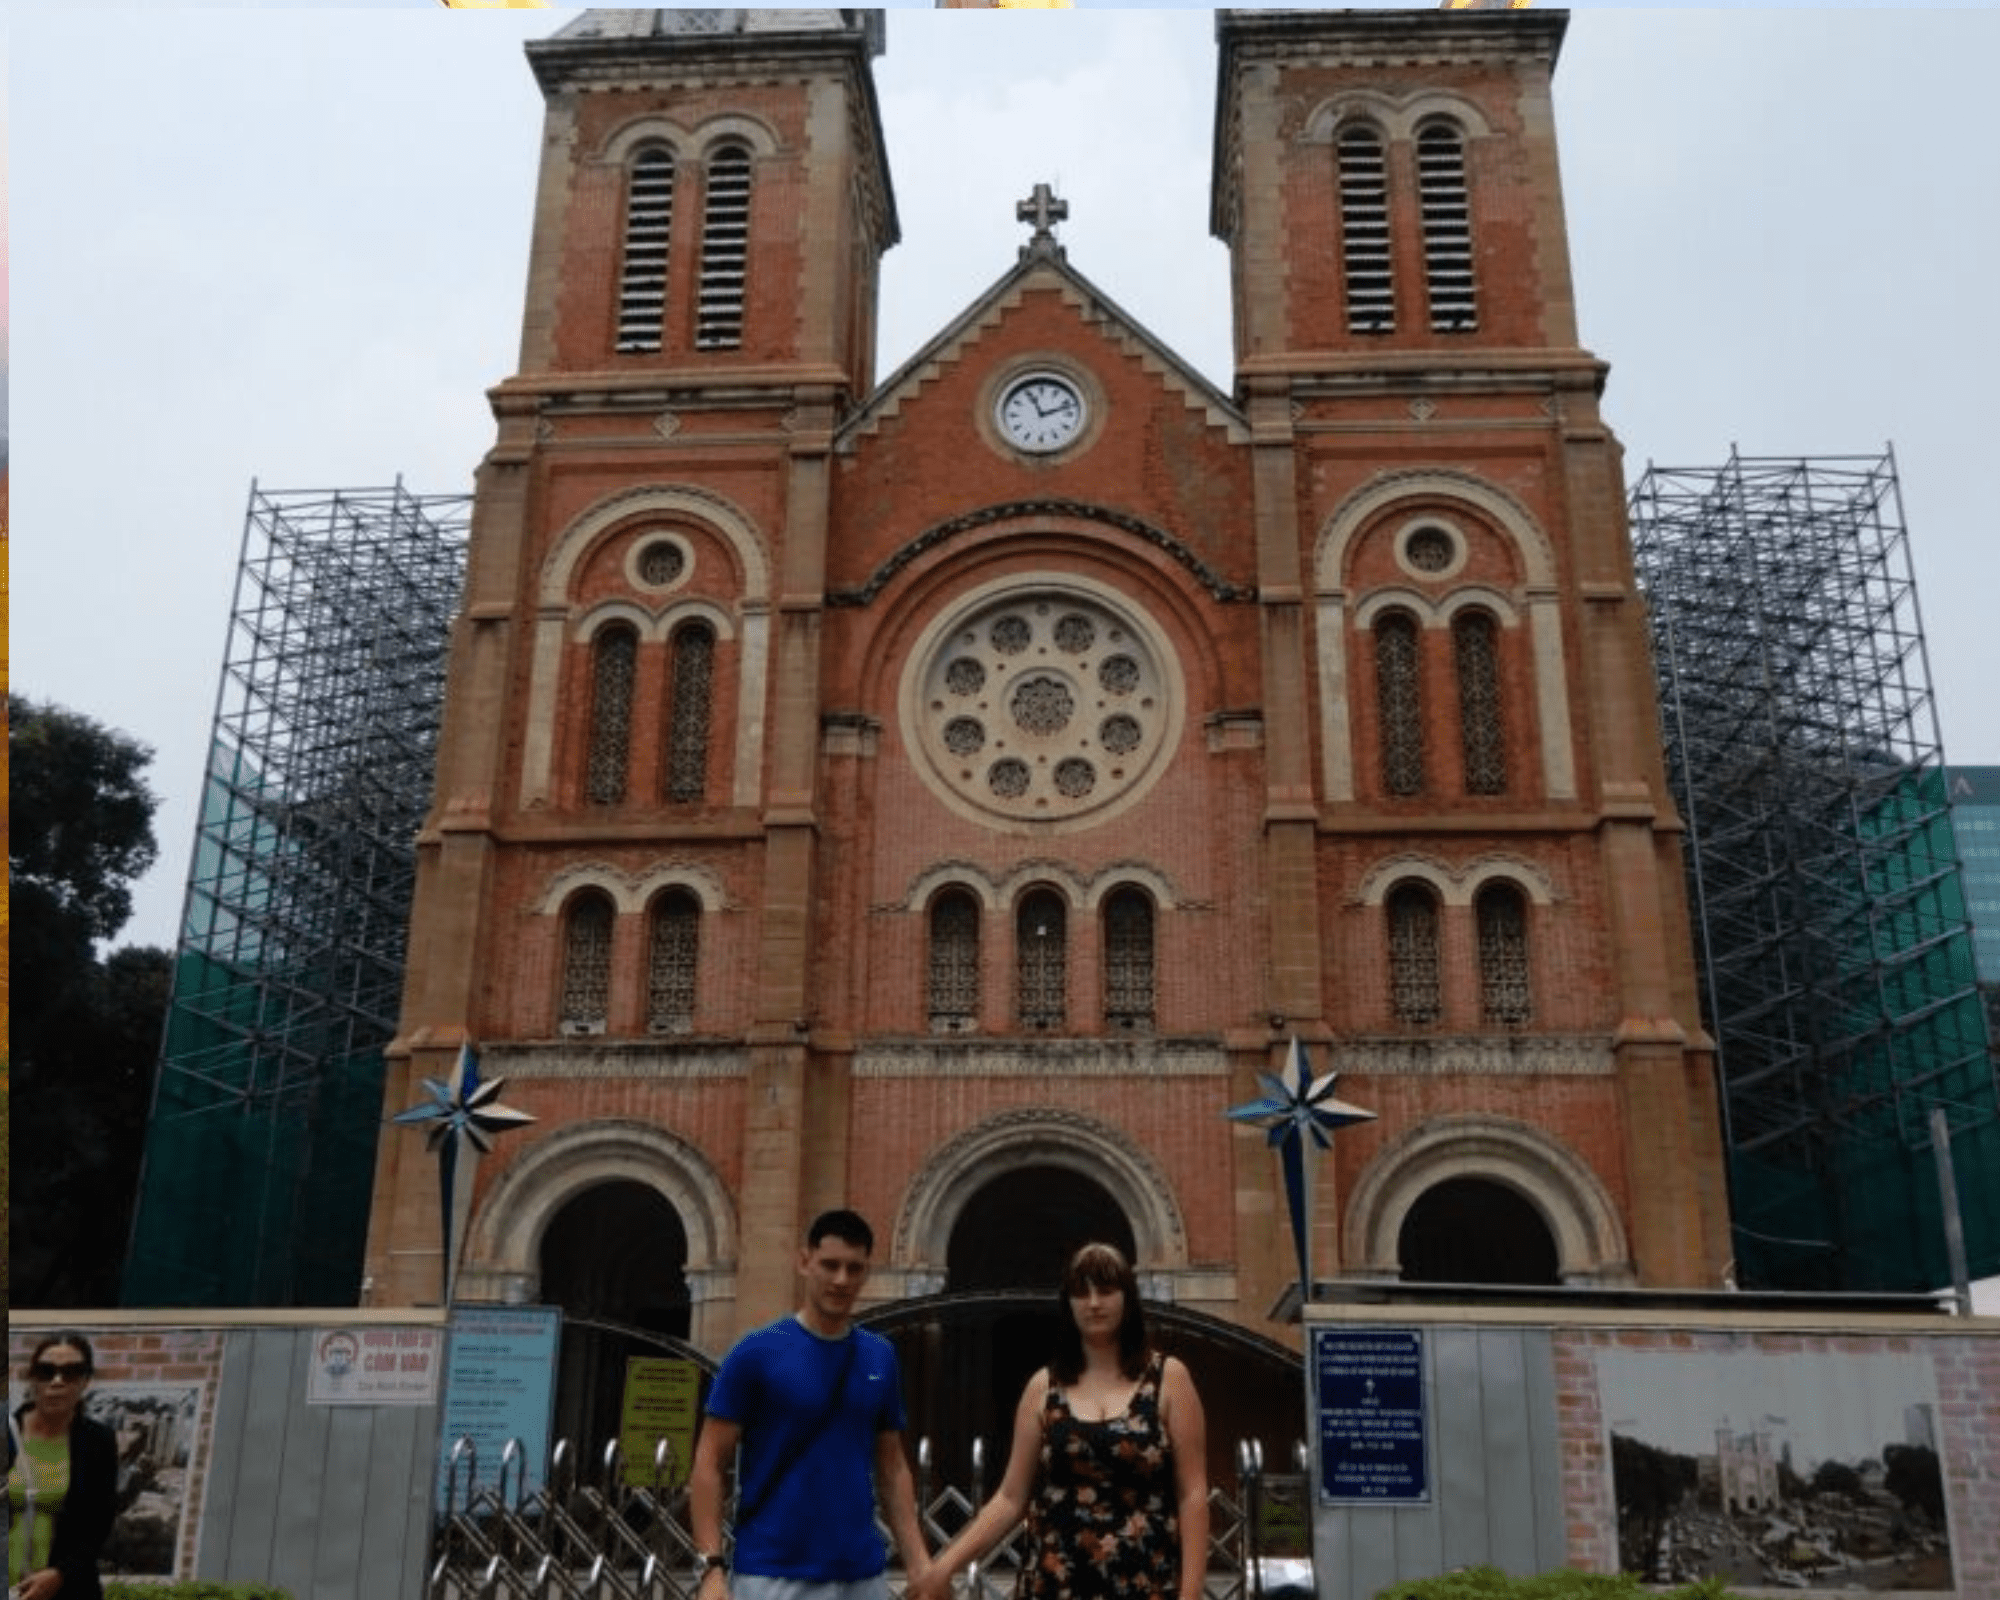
x=1043 y=209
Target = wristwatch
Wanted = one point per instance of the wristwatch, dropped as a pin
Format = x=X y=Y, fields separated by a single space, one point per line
x=706 y=1563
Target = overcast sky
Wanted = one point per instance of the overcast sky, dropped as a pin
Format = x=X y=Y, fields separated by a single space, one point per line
x=290 y=244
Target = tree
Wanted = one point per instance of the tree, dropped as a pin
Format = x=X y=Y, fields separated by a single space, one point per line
x=1916 y=1478
x=85 y=1032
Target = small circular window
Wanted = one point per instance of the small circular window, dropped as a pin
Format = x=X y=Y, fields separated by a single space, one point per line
x=1042 y=703
x=660 y=562
x=1430 y=550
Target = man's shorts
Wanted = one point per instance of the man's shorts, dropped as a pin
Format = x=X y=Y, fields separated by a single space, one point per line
x=748 y=1586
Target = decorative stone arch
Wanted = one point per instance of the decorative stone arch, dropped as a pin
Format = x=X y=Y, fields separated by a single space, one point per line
x=962 y=875
x=599 y=617
x=1396 y=119
x=938 y=1195
x=688 y=611
x=626 y=142
x=1479 y=598
x=1456 y=887
x=1420 y=606
x=697 y=880
x=1054 y=874
x=1507 y=516
x=503 y=1245
x=1581 y=1216
x=736 y=128
x=731 y=524
x=1130 y=875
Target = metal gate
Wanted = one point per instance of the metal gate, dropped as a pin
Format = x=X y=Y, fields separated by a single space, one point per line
x=590 y=1534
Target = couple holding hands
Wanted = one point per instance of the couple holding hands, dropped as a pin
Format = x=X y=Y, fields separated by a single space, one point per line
x=1107 y=1465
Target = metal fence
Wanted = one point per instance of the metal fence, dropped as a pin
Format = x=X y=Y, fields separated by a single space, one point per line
x=591 y=1533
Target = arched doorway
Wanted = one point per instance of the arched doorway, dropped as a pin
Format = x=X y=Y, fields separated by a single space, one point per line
x=614 y=1258
x=1473 y=1230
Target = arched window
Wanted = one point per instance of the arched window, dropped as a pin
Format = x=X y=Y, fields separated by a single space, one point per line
x=649 y=221
x=1503 y=955
x=1413 y=955
x=954 y=963
x=614 y=656
x=1128 y=961
x=673 y=956
x=688 y=719
x=1364 y=231
x=1476 y=653
x=725 y=250
x=1399 y=697
x=1447 y=215
x=1041 y=955
x=586 y=969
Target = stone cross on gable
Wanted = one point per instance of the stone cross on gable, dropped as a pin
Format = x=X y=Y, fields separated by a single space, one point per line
x=1043 y=209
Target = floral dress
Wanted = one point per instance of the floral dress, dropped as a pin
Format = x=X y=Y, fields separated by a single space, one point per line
x=1102 y=1523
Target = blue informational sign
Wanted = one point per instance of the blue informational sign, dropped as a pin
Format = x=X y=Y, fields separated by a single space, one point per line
x=499 y=1384
x=1368 y=1390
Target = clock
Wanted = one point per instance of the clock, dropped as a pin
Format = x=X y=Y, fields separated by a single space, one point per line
x=1041 y=411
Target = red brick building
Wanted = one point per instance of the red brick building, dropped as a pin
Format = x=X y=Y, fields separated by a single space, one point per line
x=943 y=794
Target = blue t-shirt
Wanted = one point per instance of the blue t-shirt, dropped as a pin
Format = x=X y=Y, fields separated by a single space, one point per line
x=817 y=1522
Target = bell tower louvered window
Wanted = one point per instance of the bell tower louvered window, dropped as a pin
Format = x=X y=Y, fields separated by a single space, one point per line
x=687 y=734
x=1041 y=954
x=1447 y=213
x=586 y=983
x=725 y=250
x=954 y=963
x=1413 y=956
x=1364 y=232
x=649 y=221
x=1476 y=655
x=1399 y=701
x=613 y=664
x=1128 y=962
x=1503 y=955
x=672 y=958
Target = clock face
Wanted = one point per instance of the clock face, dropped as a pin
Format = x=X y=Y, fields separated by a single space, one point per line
x=1041 y=412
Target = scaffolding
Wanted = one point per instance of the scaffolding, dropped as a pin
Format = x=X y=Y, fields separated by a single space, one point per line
x=1835 y=949
x=260 y=1152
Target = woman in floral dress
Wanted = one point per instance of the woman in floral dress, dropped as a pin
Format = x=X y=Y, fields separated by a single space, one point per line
x=1109 y=1461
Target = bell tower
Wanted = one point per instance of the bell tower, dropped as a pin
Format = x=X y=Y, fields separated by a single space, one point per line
x=1454 y=652
x=631 y=722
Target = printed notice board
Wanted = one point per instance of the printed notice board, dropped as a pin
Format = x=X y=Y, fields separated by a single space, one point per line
x=500 y=1378
x=1368 y=1391
x=661 y=1399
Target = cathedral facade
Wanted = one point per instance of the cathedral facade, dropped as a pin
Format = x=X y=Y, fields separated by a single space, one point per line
x=945 y=793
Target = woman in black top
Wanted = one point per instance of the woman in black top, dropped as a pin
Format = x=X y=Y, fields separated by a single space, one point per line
x=62 y=1478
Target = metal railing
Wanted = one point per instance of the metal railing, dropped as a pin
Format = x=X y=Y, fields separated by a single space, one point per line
x=600 y=1536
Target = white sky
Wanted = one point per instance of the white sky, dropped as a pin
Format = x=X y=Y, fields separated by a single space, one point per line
x=289 y=244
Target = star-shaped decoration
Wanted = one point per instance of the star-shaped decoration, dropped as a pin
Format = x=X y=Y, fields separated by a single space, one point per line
x=1295 y=1107
x=461 y=1111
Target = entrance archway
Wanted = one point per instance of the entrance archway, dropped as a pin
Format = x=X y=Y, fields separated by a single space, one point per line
x=1019 y=1230
x=1473 y=1230
x=615 y=1259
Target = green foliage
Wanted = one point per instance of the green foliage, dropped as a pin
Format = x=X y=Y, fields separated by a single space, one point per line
x=84 y=1032
x=194 y=1589
x=1490 y=1583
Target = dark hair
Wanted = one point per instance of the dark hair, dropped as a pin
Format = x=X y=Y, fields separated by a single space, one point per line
x=67 y=1336
x=850 y=1227
x=1105 y=1267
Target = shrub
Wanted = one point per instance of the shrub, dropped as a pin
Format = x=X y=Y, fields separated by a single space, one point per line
x=1490 y=1583
x=193 y=1589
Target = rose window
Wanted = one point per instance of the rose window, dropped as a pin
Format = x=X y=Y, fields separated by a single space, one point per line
x=1046 y=704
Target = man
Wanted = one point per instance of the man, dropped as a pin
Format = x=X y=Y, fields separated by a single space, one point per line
x=816 y=1405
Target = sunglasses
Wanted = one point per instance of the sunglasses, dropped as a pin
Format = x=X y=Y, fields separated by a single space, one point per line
x=49 y=1371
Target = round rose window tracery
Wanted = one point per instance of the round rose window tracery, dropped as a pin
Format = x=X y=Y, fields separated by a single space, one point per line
x=1043 y=705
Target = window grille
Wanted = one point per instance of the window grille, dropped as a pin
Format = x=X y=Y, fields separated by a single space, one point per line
x=586 y=990
x=649 y=220
x=1400 y=700
x=1447 y=213
x=954 y=966
x=1503 y=955
x=725 y=251
x=1413 y=956
x=1128 y=961
x=1042 y=961
x=1475 y=646
x=687 y=738
x=1364 y=232
x=672 y=960
x=614 y=661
